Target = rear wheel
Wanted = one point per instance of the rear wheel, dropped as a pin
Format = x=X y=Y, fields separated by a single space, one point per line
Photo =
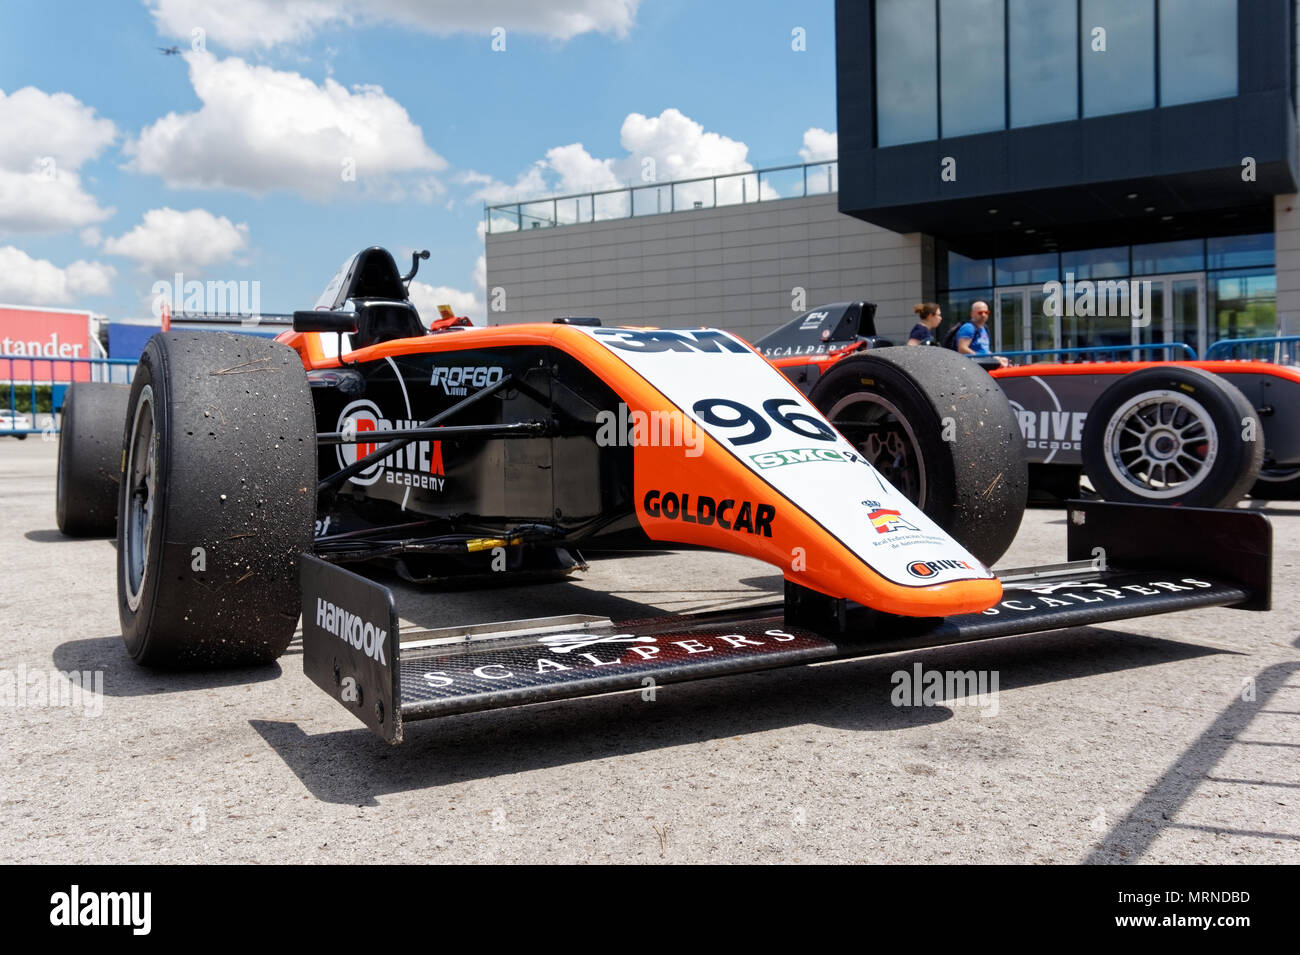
x=1277 y=484
x=941 y=431
x=1172 y=435
x=90 y=458
x=217 y=501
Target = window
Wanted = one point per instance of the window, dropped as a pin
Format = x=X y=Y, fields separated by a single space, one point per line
x=1158 y=258
x=1117 y=45
x=1237 y=251
x=907 y=95
x=960 y=67
x=1096 y=263
x=1243 y=304
x=968 y=273
x=1028 y=269
x=973 y=51
x=1198 y=50
x=1044 y=61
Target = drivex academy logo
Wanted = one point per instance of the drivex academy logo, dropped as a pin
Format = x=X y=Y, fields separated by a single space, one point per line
x=418 y=465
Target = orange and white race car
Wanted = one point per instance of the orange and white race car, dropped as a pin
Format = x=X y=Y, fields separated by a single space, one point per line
x=249 y=472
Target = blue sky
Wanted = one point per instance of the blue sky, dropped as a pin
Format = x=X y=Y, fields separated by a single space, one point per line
x=225 y=163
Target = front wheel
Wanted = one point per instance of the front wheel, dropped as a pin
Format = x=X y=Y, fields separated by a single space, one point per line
x=1172 y=435
x=939 y=429
x=217 y=500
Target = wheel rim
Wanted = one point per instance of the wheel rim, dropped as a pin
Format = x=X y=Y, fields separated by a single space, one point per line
x=1278 y=475
x=1161 y=445
x=141 y=468
x=882 y=435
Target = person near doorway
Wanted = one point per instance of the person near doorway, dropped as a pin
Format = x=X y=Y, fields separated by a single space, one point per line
x=928 y=318
x=973 y=336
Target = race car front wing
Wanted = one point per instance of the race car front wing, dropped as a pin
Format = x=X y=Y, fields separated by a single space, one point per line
x=1124 y=561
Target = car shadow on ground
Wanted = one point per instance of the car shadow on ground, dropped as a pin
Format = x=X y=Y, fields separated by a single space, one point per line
x=124 y=678
x=55 y=536
x=353 y=766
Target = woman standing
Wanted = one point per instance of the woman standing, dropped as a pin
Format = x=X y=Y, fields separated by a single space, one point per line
x=928 y=319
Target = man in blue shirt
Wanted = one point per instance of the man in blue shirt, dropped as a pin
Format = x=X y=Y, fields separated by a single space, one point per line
x=973 y=336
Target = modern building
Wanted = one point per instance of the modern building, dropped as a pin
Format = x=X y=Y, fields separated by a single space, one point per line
x=724 y=252
x=1068 y=161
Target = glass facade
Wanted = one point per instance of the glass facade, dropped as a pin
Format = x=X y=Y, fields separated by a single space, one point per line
x=907 y=76
x=1117 y=46
x=1198 y=50
x=1195 y=291
x=949 y=68
x=1186 y=255
x=973 y=73
x=1044 y=62
x=1243 y=304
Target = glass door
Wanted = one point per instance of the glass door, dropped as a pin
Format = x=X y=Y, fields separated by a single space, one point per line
x=1177 y=311
x=1186 y=322
x=1020 y=323
x=1009 y=320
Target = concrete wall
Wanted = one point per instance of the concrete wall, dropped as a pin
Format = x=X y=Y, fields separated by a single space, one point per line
x=735 y=268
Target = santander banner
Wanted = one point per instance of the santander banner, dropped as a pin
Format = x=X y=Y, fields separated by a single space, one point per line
x=33 y=340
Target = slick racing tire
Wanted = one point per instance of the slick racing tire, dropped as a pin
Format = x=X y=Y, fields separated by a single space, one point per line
x=941 y=431
x=217 y=500
x=1172 y=435
x=90 y=458
x=1277 y=484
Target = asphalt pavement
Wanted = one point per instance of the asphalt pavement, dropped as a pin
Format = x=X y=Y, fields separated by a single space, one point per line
x=1156 y=740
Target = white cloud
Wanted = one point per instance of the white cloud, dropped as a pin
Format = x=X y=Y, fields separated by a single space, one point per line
x=660 y=149
x=28 y=281
x=167 y=240
x=245 y=24
x=37 y=124
x=819 y=145
x=33 y=202
x=679 y=146
x=47 y=138
x=427 y=298
x=261 y=129
x=480 y=273
x=532 y=182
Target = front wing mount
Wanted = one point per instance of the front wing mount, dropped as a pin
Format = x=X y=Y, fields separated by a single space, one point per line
x=1125 y=561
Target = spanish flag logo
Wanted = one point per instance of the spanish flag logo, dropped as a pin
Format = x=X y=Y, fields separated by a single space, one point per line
x=886 y=521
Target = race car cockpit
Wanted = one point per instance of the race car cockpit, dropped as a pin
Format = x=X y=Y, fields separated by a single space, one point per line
x=372 y=295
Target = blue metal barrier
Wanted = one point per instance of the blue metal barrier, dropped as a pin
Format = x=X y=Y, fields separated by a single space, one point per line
x=1281 y=350
x=23 y=376
x=1177 y=351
